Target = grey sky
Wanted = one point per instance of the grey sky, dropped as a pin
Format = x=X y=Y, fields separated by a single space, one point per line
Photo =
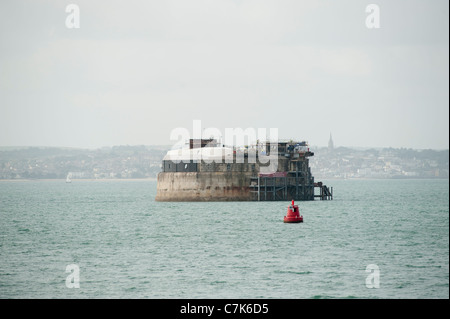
x=135 y=70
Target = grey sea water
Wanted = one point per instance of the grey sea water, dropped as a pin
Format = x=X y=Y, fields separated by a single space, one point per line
x=126 y=245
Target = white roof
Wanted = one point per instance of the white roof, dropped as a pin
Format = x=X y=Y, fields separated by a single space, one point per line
x=197 y=154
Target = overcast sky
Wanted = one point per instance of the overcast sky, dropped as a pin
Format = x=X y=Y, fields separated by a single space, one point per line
x=135 y=70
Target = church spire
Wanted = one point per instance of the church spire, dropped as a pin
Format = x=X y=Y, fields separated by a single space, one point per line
x=330 y=143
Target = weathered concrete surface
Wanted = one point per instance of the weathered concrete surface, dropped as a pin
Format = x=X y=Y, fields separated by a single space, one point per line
x=203 y=186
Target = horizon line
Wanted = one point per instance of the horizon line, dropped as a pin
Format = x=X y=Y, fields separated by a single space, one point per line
x=16 y=147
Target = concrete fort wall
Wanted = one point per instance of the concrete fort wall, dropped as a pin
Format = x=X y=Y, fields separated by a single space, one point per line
x=204 y=186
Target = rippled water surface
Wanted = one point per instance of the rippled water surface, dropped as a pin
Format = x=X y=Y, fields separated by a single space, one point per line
x=126 y=245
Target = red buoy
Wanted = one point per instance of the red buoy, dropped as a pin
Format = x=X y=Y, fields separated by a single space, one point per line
x=293 y=215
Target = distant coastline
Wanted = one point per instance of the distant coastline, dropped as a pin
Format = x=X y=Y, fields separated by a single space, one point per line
x=143 y=162
x=150 y=179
